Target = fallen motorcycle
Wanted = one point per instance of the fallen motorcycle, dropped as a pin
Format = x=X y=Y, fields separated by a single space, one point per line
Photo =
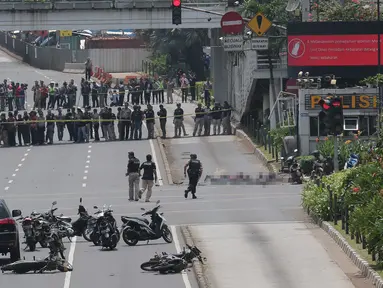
x=187 y=255
x=38 y=266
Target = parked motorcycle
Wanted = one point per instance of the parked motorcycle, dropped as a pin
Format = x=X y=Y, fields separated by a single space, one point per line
x=136 y=229
x=106 y=231
x=80 y=226
x=322 y=166
x=296 y=172
x=352 y=161
x=187 y=255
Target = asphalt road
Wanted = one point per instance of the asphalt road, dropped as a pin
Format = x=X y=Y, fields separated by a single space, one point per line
x=33 y=177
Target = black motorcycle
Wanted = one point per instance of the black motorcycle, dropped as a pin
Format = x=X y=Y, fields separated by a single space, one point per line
x=321 y=166
x=136 y=229
x=187 y=255
x=106 y=232
x=296 y=172
x=81 y=224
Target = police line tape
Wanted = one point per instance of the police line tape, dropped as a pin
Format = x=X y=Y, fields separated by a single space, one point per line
x=108 y=120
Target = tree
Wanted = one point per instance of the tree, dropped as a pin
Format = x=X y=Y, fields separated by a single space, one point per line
x=351 y=10
x=180 y=46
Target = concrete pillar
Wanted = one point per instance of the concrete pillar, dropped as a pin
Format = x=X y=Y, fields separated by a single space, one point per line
x=219 y=72
x=272 y=98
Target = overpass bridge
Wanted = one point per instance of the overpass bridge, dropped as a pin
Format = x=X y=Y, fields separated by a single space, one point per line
x=102 y=15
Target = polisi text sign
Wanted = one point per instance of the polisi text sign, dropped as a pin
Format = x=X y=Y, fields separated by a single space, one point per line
x=233 y=43
x=350 y=101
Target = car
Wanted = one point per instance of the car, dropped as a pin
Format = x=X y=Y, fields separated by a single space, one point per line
x=9 y=232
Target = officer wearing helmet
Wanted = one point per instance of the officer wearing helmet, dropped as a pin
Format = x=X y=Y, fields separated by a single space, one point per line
x=194 y=170
x=134 y=177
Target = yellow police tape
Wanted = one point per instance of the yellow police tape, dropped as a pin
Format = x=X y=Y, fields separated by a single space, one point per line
x=108 y=120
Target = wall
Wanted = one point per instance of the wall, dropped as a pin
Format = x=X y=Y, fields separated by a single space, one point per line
x=119 y=60
x=51 y=58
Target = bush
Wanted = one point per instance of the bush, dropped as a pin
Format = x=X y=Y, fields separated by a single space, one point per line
x=316 y=199
x=306 y=163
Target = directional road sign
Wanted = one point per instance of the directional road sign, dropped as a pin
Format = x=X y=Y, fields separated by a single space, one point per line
x=232 y=23
x=259 y=24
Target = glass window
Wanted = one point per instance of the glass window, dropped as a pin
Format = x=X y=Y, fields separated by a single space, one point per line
x=314 y=126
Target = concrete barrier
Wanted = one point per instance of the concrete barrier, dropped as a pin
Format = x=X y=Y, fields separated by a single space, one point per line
x=74 y=68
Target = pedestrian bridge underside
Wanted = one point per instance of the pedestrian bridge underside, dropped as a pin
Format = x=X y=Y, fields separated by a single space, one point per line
x=102 y=15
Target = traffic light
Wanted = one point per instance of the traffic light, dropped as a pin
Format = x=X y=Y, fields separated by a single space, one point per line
x=176 y=12
x=336 y=115
x=331 y=116
x=324 y=119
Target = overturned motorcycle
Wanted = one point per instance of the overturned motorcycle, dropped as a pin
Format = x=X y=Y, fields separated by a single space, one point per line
x=171 y=263
x=136 y=229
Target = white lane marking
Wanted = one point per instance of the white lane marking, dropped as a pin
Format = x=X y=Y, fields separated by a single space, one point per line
x=26 y=154
x=6 y=188
x=29 y=149
x=17 y=169
x=86 y=171
x=87 y=161
x=22 y=160
x=184 y=275
x=70 y=260
x=88 y=156
x=87 y=166
x=83 y=185
x=84 y=177
x=160 y=182
x=20 y=165
x=89 y=151
x=10 y=181
x=90 y=146
x=13 y=175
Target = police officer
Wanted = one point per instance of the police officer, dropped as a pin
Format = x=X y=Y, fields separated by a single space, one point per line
x=134 y=177
x=149 y=115
x=121 y=93
x=50 y=127
x=149 y=177
x=198 y=121
x=216 y=115
x=178 y=120
x=194 y=170
x=162 y=114
x=136 y=123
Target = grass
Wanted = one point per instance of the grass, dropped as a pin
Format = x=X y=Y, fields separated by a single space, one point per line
x=358 y=248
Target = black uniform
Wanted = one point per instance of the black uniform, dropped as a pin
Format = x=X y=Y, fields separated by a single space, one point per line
x=194 y=173
x=162 y=114
x=133 y=165
x=148 y=167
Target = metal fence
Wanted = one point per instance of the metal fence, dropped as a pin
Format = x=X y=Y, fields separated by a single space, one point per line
x=52 y=58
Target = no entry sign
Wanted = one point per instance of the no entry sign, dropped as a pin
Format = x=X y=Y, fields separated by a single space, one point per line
x=232 y=22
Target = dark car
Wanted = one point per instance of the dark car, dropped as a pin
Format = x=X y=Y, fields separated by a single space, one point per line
x=9 y=233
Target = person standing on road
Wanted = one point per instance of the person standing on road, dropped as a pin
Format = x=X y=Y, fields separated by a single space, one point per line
x=134 y=177
x=88 y=69
x=226 y=115
x=198 y=120
x=125 y=118
x=194 y=170
x=148 y=178
x=50 y=119
x=216 y=114
x=96 y=125
x=149 y=115
x=169 y=91
x=162 y=114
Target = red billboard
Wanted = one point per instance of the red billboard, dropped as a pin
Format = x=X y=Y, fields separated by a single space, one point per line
x=333 y=50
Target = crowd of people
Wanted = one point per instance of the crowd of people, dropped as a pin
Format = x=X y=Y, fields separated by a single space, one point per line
x=37 y=127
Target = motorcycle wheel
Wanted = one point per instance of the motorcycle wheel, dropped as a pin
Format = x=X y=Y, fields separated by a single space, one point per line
x=32 y=246
x=127 y=240
x=167 y=234
x=95 y=239
x=164 y=269
x=86 y=234
x=43 y=244
x=114 y=241
x=149 y=266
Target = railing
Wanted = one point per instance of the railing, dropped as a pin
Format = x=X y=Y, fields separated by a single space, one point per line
x=278 y=63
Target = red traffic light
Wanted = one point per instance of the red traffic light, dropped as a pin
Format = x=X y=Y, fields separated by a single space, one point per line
x=325 y=104
x=176 y=3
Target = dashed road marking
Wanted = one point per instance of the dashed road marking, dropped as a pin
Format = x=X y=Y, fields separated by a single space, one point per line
x=20 y=165
x=17 y=169
x=13 y=175
x=87 y=161
x=86 y=171
x=22 y=160
x=88 y=156
x=85 y=178
x=6 y=188
x=84 y=185
x=87 y=166
x=10 y=181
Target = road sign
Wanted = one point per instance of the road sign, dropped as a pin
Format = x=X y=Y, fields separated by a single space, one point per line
x=233 y=43
x=259 y=24
x=232 y=22
x=65 y=33
x=261 y=43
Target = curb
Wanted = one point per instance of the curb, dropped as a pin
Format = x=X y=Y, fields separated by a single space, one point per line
x=74 y=71
x=362 y=264
x=198 y=268
x=164 y=157
x=258 y=153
